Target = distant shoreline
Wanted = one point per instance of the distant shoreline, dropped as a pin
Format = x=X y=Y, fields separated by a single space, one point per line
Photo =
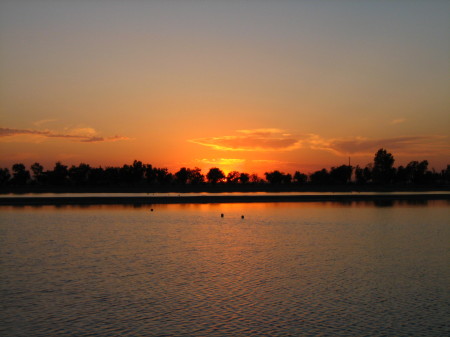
x=210 y=199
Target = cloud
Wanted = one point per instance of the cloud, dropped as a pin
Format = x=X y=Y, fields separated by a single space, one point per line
x=424 y=144
x=252 y=140
x=83 y=132
x=84 y=135
x=44 y=121
x=268 y=161
x=222 y=161
x=279 y=140
x=398 y=121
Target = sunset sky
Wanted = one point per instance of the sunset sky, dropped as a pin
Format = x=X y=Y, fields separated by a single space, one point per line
x=243 y=85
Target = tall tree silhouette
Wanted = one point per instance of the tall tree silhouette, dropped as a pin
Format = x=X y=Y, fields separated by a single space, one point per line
x=182 y=176
x=445 y=174
x=4 y=176
x=215 y=175
x=255 y=179
x=163 y=177
x=341 y=174
x=417 y=171
x=233 y=177
x=59 y=174
x=383 y=167
x=150 y=174
x=20 y=174
x=300 y=178
x=137 y=171
x=321 y=177
x=244 y=178
x=38 y=172
x=196 y=176
x=79 y=175
x=96 y=176
x=363 y=175
x=274 y=177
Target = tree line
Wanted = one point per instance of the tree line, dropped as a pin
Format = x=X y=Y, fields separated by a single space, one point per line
x=380 y=172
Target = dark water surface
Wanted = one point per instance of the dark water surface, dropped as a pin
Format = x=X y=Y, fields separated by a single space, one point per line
x=286 y=269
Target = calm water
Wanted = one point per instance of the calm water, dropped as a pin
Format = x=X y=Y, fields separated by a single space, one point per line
x=287 y=269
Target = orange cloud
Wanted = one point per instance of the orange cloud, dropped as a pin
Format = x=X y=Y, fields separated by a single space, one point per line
x=222 y=161
x=85 y=135
x=44 y=121
x=279 y=140
x=252 y=140
x=365 y=146
x=398 y=121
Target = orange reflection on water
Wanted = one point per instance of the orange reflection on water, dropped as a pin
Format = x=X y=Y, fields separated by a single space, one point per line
x=234 y=207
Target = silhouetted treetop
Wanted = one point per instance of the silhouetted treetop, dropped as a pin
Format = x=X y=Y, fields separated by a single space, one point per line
x=20 y=174
x=380 y=172
x=383 y=171
x=215 y=175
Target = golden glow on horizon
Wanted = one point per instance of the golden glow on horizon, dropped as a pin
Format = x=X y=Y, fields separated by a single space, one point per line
x=205 y=91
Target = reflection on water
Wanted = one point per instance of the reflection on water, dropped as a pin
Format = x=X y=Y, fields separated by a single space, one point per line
x=112 y=195
x=287 y=269
x=256 y=205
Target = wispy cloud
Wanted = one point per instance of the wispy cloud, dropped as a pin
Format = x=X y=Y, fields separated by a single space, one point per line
x=280 y=140
x=222 y=161
x=252 y=140
x=85 y=135
x=44 y=121
x=398 y=121
x=424 y=144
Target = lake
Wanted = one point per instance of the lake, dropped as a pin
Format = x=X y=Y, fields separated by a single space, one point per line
x=285 y=269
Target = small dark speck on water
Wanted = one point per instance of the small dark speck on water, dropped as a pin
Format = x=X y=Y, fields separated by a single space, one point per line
x=221 y=215
x=151 y=209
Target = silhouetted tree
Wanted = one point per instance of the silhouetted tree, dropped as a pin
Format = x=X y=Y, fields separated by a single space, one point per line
x=363 y=175
x=20 y=174
x=96 y=176
x=287 y=179
x=125 y=174
x=383 y=170
x=38 y=173
x=233 y=177
x=163 y=177
x=59 y=174
x=244 y=178
x=196 y=176
x=274 y=177
x=320 y=177
x=402 y=175
x=215 y=175
x=4 y=176
x=300 y=178
x=137 y=171
x=150 y=174
x=341 y=174
x=255 y=179
x=182 y=176
x=111 y=175
x=79 y=175
x=417 y=172
x=445 y=175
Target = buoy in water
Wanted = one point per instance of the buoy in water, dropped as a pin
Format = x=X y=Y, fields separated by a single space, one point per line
x=151 y=209
x=242 y=217
x=221 y=215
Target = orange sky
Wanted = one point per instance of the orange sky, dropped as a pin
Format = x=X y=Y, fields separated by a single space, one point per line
x=251 y=86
